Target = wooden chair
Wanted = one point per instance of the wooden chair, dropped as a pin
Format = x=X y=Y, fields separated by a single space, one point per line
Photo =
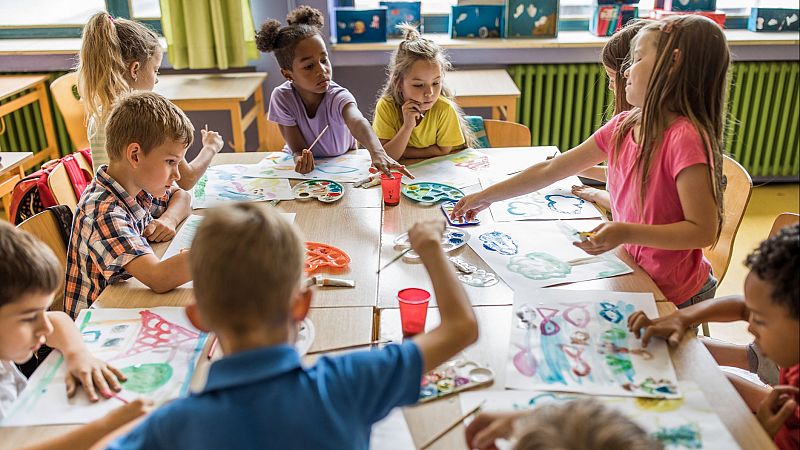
x=506 y=134
x=275 y=140
x=65 y=95
x=738 y=186
x=783 y=220
x=52 y=226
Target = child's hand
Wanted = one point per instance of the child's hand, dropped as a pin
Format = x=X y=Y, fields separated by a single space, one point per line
x=469 y=206
x=160 y=230
x=776 y=408
x=488 y=427
x=381 y=162
x=425 y=236
x=671 y=327
x=125 y=413
x=93 y=374
x=304 y=162
x=607 y=236
x=212 y=140
x=412 y=113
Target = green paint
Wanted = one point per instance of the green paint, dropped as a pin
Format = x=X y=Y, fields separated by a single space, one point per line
x=200 y=187
x=618 y=364
x=614 y=334
x=614 y=268
x=146 y=378
x=539 y=266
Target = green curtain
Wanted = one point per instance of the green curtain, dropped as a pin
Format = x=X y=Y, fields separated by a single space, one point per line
x=208 y=34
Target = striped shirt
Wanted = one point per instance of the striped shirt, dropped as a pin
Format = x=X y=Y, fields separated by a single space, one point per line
x=97 y=143
x=106 y=235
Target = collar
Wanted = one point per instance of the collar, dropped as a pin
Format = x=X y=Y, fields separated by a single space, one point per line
x=138 y=206
x=250 y=366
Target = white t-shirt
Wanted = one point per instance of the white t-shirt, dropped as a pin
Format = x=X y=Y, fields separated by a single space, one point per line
x=97 y=142
x=12 y=382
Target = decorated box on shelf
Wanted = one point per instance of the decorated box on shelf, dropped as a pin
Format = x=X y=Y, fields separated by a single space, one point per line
x=531 y=18
x=615 y=2
x=477 y=21
x=774 y=19
x=690 y=5
x=401 y=12
x=716 y=16
x=358 y=25
x=607 y=19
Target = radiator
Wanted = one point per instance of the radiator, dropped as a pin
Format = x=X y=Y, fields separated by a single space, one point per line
x=563 y=104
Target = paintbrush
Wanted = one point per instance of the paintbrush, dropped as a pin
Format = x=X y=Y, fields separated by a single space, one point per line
x=440 y=434
x=317 y=139
x=346 y=347
x=400 y=255
x=213 y=348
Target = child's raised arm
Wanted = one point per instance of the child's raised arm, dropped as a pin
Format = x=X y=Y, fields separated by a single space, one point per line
x=191 y=172
x=361 y=130
x=458 y=328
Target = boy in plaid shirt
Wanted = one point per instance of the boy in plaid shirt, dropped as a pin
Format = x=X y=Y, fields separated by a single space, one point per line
x=131 y=202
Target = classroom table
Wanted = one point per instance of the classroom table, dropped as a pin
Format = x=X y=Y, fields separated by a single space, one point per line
x=226 y=92
x=12 y=170
x=491 y=88
x=16 y=84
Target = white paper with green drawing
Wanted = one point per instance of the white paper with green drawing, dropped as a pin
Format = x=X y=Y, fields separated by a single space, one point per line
x=156 y=348
x=220 y=185
x=538 y=254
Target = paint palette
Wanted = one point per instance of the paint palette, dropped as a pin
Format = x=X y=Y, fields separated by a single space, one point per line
x=447 y=209
x=453 y=377
x=323 y=255
x=452 y=239
x=326 y=191
x=471 y=275
x=305 y=336
x=429 y=192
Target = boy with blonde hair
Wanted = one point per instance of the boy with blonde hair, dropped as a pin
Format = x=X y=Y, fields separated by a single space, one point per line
x=131 y=202
x=250 y=292
x=31 y=274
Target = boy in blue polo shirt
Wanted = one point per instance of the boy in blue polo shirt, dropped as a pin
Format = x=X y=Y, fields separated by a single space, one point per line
x=250 y=292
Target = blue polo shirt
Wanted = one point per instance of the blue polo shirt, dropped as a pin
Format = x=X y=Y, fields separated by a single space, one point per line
x=265 y=398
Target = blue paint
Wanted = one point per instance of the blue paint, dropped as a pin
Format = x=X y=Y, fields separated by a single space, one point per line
x=564 y=204
x=499 y=242
x=337 y=170
x=91 y=336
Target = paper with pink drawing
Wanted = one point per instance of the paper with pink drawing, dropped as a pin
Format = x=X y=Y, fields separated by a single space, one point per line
x=578 y=341
x=347 y=168
x=552 y=202
x=156 y=348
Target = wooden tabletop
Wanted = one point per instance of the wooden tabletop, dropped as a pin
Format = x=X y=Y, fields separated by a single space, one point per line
x=481 y=83
x=10 y=85
x=692 y=362
x=232 y=86
x=11 y=160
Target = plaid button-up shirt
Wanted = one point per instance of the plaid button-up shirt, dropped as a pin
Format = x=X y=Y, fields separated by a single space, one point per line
x=106 y=235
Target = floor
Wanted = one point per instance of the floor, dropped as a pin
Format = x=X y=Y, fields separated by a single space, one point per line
x=766 y=202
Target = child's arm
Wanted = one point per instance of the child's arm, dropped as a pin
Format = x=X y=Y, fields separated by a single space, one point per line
x=776 y=408
x=87 y=435
x=698 y=229
x=361 y=130
x=83 y=368
x=587 y=154
x=303 y=158
x=163 y=228
x=673 y=326
x=161 y=276
x=458 y=328
x=427 y=152
x=192 y=171
x=396 y=146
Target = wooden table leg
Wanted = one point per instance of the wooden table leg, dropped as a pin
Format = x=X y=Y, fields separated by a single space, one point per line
x=238 y=130
x=511 y=110
x=261 y=119
x=47 y=121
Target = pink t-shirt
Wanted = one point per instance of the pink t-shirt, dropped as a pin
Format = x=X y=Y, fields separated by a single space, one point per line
x=678 y=273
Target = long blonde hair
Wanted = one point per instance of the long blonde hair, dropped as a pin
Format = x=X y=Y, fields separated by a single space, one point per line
x=414 y=48
x=689 y=79
x=108 y=47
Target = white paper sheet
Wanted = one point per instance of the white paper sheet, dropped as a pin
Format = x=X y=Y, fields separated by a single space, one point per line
x=578 y=341
x=156 y=348
x=552 y=202
x=391 y=433
x=218 y=185
x=352 y=166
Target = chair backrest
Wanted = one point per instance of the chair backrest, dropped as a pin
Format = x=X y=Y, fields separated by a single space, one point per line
x=783 y=220
x=48 y=227
x=737 y=194
x=61 y=187
x=506 y=134
x=275 y=140
x=64 y=90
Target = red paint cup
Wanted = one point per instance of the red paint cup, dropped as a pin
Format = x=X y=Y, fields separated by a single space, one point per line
x=413 y=310
x=391 y=188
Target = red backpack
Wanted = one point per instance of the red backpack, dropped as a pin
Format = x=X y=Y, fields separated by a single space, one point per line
x=32 y=194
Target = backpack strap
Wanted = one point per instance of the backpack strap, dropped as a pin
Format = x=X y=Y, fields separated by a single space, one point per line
x=77 y=176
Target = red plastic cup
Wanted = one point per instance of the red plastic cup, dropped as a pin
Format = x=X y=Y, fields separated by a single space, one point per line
x=391 y=188
x=413 y=310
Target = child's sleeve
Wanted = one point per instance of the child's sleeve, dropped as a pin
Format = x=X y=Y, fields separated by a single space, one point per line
x=684 y=148
x=144 y=435
x=343 y=98
x=280 y=108
x=386 y=122
x=115 y=244
x=604 y=136
x=374 y=382
x=448 y=131
x=160 y=204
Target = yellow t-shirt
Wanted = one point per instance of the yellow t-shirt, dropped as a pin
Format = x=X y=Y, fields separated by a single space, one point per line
x=440 y=125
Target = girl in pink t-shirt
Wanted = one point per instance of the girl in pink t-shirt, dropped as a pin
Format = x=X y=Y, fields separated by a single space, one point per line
x=664 y=158
x=309 y=100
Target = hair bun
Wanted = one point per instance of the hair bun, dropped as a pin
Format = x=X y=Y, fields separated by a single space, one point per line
x=267 y=36
x=409 y=32
x=305 y=15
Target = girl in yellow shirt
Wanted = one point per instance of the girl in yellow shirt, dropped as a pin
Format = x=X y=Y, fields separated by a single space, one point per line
x=416 y=116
